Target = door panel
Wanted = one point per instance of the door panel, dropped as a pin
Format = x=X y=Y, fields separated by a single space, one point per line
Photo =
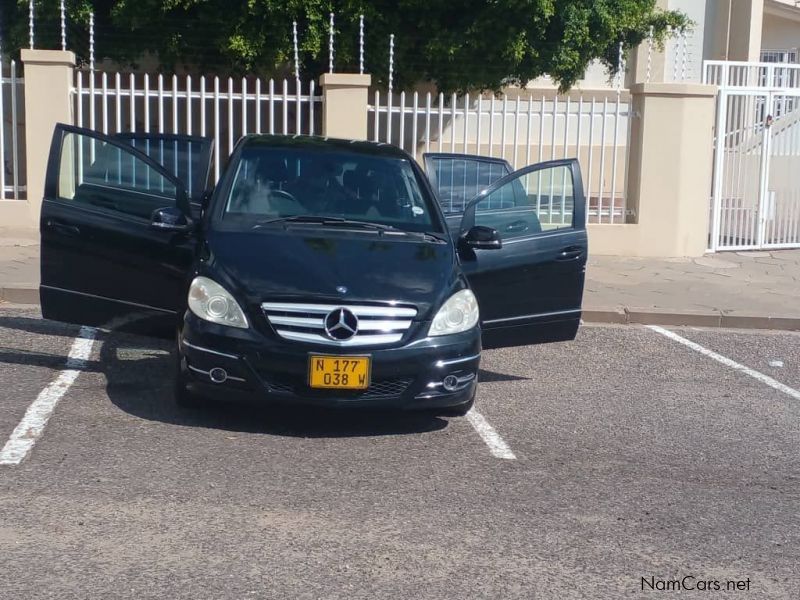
x=102 y=263
x=531 y=289
x=457 y=178
x=186 y=157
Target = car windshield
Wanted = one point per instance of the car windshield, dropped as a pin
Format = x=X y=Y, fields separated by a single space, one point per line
x=275 y=185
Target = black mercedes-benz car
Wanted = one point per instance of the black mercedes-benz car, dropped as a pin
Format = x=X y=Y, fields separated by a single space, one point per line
x=316 y=270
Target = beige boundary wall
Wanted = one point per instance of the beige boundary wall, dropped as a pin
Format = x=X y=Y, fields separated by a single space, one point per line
x=669 y=172
x=49 y=76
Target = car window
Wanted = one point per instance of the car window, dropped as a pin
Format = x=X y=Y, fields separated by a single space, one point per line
x=536 y=201
x=459 y=180
x=272 y=183
x=185 y=158
x=103 y=175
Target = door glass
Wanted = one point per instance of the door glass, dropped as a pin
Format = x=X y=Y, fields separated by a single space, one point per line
x=458 y=180
x=185 y=158
x=536 y=201
x=107 y=176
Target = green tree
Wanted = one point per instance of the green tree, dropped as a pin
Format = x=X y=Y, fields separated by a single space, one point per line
x=471 y=44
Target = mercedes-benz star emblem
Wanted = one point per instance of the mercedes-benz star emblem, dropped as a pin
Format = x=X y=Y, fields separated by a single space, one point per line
x=341 y=324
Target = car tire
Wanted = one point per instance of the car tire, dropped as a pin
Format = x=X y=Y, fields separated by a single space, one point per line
x=182 y=396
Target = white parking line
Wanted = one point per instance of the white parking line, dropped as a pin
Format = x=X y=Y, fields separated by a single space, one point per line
x=497 y=445
x=32 y=425
x=773 y=383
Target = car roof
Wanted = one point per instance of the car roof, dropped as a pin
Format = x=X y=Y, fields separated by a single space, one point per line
x=322 y=144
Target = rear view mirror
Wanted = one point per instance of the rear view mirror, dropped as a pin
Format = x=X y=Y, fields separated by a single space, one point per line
x=481 y=237
x=170 y=218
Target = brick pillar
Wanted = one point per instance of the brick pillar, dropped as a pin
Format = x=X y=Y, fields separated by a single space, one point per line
x=344 y=105
x=49 y=76
x=669 y=174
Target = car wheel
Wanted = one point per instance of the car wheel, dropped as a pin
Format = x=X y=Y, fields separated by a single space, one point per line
x=183 y=397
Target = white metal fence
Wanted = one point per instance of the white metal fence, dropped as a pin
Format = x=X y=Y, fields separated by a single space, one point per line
x=753 y=75
x=12 y=133
x=755 y=199
x=523 y=130
x=224 y=109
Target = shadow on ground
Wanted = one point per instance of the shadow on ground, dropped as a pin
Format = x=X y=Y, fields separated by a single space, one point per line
x=33 y=356
x=139 y=372
x=139 y=375
x=486 y=376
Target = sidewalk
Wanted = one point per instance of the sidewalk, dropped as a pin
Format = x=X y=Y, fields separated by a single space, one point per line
x=732 y=289
x=19 y=266
x=736 y=289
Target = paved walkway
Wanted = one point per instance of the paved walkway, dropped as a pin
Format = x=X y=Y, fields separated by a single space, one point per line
x=19 y=265
x=735 y=289
x=738 y=289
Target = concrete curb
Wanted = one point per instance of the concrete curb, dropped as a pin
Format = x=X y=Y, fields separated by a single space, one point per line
x=615 y=315
x=19 y=295
x=657 y=316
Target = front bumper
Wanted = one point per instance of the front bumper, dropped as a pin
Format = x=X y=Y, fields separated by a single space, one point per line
x=262 y=368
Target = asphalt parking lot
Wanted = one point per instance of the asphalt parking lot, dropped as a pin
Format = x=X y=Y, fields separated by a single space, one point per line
x=624 y=455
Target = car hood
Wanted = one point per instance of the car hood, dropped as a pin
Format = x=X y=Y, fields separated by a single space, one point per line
x=310 y=265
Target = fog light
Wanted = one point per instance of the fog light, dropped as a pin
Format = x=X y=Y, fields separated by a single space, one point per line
x=450 y=383
x=218 y=375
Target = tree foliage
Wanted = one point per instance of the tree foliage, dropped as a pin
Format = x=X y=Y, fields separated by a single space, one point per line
x=458 y=45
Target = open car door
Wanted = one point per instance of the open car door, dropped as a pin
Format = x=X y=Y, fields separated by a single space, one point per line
x=116 y=236
x=457 y=178
x=523 y=247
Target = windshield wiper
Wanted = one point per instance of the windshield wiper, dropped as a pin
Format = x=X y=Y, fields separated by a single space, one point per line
x=342 y=222
x=292 y=219
x=432 y=237
x=326 y=221
x=337 y=221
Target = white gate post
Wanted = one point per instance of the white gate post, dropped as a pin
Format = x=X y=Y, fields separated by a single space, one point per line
x=719 y=160
x=763 y=174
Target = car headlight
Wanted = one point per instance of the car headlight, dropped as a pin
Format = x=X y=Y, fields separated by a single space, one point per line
x=212 y=302
x=458 y=314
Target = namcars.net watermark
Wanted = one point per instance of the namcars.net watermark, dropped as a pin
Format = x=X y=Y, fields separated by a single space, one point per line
x=689 y=583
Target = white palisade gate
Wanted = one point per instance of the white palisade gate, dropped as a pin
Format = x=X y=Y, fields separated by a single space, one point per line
x=755 y=196
x=523 y=129
x=12 y=133
x=224 y=109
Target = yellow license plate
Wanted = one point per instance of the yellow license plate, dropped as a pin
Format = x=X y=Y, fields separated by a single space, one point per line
x=339 y=372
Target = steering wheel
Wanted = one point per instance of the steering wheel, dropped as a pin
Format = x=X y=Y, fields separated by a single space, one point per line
x=282 y=194
x=284 y=202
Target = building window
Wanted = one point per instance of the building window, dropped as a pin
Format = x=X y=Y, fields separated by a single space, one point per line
x=779 y=56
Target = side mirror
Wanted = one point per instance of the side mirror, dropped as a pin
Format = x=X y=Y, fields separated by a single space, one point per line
x=170 y=218
x=481 y=237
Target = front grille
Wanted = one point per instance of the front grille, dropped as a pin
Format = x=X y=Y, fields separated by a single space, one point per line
x=303 y=322
x=386 y=388
x=296 y=385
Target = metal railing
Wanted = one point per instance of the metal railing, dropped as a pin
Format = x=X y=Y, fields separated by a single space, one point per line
x=523 y=130
x=751 y=75
x=224 y=109
x=12 y=133
x=754 y=202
